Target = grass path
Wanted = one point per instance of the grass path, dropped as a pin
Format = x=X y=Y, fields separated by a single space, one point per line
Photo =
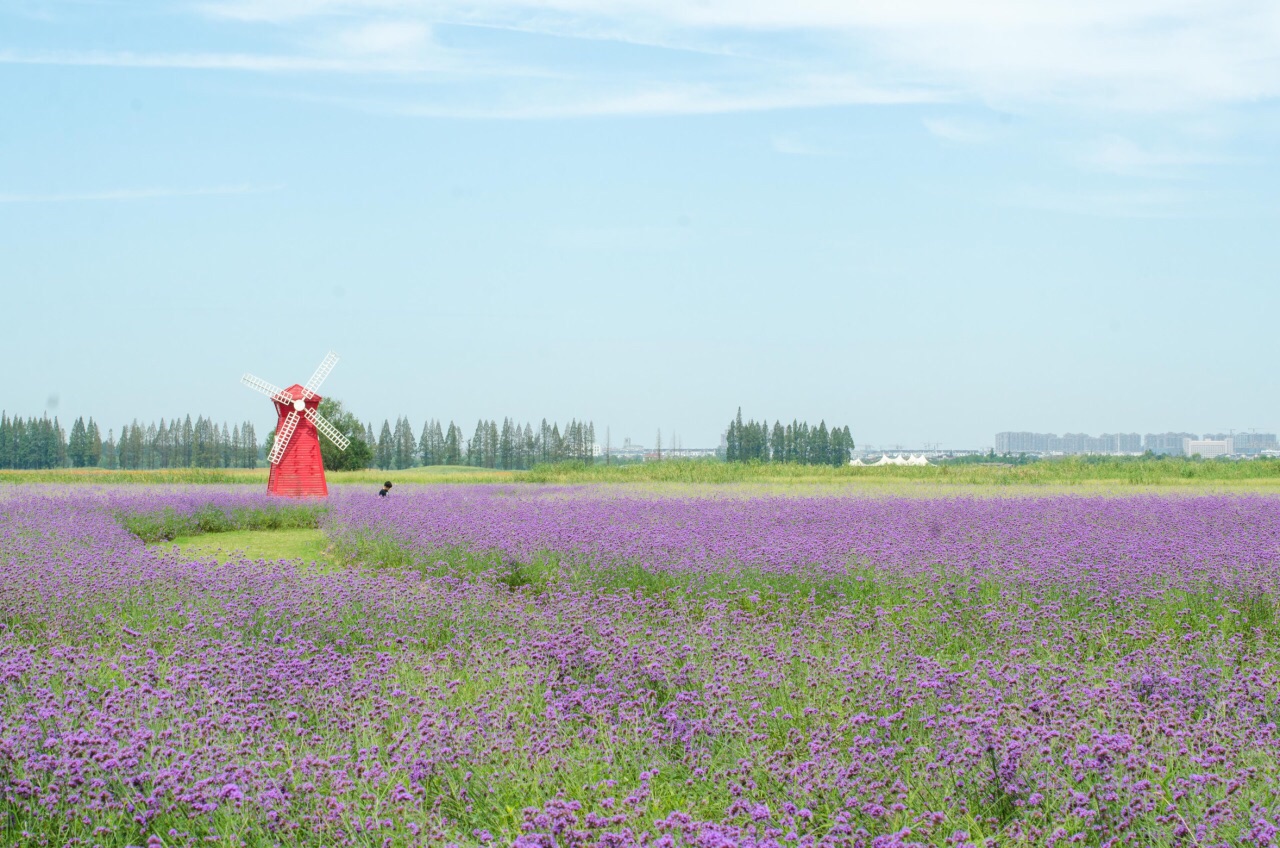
x=308 y=545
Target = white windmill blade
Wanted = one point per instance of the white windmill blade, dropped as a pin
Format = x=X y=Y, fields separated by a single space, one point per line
x=260 y=385
x=324 y=426
x=322 y=371
x=283 y=435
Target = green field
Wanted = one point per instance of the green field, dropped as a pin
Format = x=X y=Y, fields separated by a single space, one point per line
x=1057 y=472
x=307 y=545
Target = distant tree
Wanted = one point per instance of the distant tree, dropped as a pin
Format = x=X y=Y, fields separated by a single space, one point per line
x=359 y=453
x=431 y=444
x=404 y=445
x=491 y=444
x=187 y=442
x=506 y=446
x=453 y=445
x=544 y=442
x=555 y=447
x=821 y=445
x=58 y=446
x=778 y=443
x=384 y=453
x=91 y=445
x=109 y=457
x=475 y=447
x=77 y=444
x=752 y=441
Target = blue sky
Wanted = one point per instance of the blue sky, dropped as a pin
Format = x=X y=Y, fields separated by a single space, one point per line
x=929 y=219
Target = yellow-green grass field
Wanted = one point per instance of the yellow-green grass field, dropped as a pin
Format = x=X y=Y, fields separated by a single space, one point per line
x=305 y=544
x=1103 y=471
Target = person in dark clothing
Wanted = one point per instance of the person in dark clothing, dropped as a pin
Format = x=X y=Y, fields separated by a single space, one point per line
x=386 y=487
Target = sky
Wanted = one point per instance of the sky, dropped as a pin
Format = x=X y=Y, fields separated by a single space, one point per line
x=931 y=220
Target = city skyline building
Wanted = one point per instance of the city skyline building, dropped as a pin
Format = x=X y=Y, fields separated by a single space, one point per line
x=1127 y=444
x=1207 y=448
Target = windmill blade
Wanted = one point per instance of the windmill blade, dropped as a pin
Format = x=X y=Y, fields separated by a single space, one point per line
x=259 y=385
x=331 y=432
x=283 y=435
x=322 y=371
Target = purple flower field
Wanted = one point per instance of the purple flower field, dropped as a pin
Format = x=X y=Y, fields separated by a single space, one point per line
x=593 y=666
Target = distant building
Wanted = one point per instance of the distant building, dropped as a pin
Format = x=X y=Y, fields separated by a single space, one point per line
x=1070 y=443
x=1249 y=444
x=1121 y=444
x=1023 y=442
x=1020 y=442
x=628 y=451
x=1167 y=444
x=1207 y=448
x=680 y=453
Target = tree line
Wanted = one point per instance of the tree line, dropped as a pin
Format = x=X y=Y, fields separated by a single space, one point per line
x=797 y=442
x=509 y=446
x=35 y=443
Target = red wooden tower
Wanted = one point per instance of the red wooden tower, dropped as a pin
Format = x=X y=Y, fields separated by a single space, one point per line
x=297 y=469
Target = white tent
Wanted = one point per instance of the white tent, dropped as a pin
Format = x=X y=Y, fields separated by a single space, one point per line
x=900 y=459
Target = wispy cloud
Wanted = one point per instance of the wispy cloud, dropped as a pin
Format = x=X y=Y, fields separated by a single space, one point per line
x=1133 y=54
x=795 y=144
x=664 y=100
x=258 y=63
x=131 y=194
x=1122 y=156
x=745 y=55
x=964 y=132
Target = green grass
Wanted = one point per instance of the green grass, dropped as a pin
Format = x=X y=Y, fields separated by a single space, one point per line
x=308 y=545
x=168 y=523
x=1071 y=471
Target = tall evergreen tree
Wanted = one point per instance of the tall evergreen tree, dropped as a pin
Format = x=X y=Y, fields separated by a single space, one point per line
x=453 y=445
x=384 y=454
x=404 y=444
x=77 y=444
x=93 y=444
x=429 y=444
x=110 y=459
x=475 y=447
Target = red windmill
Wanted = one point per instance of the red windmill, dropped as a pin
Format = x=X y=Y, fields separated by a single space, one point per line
x=297 y=470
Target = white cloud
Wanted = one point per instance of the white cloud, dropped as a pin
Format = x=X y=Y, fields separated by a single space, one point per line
x=1185 y=56
x=257 y=63
x=568 y=101
x=384 y=37
x=1116 y=155
x=129 y=194
x=1132 y=54
x=965 y=132
x=795 y=144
